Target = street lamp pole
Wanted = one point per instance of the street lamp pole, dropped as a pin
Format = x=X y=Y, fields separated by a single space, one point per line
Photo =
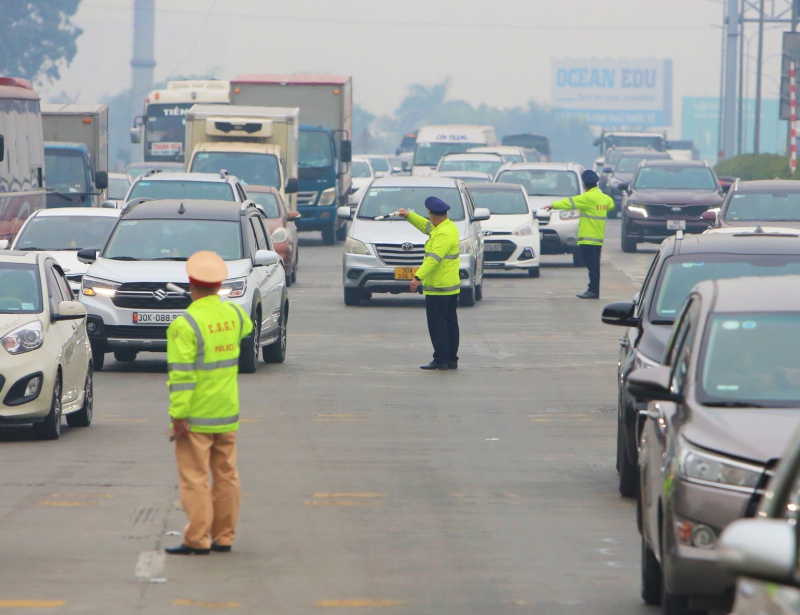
x=759 y=62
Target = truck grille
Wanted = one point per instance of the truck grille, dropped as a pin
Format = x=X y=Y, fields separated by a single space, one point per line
x=141 y=296
x=136 y=332
x=394 y=254
x=508 y=248
x=306 y=198
x=684 y=211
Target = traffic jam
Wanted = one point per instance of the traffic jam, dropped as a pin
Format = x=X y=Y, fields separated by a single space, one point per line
x=262 y=168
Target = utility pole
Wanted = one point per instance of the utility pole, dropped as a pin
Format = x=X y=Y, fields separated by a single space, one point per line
x=759 y=62
x=740 y=112
x=143 y=62
x=729 y=108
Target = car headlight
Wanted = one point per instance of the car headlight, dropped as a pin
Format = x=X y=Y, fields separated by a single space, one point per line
x=233 y=288
x=569 y=214
x=721 y=471
x=465 y=246
x=279 y=235
x=24 y=339
x=327 y=197
x=354 y=246
x=638 y=209
x=102 y=288
x=642 y=362
x=525 y=230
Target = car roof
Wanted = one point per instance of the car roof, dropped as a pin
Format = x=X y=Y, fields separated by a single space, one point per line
x=119 y=175
x=754 y=294
x=415 y=182
x=663 y=162
x=653 y=154
x=188 y=177
x=200 y=209
x=493 y=187
x=477 y=156
x=534 y=166
x=104 y=212
x=255 y=188
x=746 y=242
x=18 y=256
x=768 y=184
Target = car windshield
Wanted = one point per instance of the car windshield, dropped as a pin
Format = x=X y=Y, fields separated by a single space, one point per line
x=181 y=189
x=542 y=182
x=118 y=187
x=681 y=273
x=359 y=168
x=268 y=202
x=380 y=164
x=20 y=290
x=429 y=154
x=382 y=201
x=675 y=178
x=162 y=239
x=774 y=206
x=316 y=150
x=475 y=166
x=751 y=358
x=501 y=202
x=65 y=232
x=628 y=164
x=65 y=171
x=251 y=168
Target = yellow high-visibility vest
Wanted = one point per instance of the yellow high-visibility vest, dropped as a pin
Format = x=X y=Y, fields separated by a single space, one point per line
x=439 y=270
x=594 y=207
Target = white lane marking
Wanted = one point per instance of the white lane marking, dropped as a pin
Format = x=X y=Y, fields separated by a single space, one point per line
x=149 y=564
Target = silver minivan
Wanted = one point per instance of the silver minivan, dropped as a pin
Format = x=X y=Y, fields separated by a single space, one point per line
x=382 y=252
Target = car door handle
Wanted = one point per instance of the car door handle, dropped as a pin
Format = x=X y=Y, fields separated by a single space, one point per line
x=624 y=342
x=652 y=413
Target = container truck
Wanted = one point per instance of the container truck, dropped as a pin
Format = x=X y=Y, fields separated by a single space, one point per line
x=433 y=142
x=256 y=144
x=75 y=154
x=326 y=106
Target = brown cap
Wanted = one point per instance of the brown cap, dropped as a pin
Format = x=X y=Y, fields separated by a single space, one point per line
x=205 y=268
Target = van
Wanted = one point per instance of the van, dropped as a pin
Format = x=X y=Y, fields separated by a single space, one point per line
x=433 y=142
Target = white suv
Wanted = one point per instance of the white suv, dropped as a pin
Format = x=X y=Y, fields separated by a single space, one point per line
x=125 y=291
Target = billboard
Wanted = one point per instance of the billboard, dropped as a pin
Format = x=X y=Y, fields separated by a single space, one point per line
x=634 y=93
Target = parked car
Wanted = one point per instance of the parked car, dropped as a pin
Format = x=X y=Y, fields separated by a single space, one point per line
x=723 y=404
x=125 y=291
x=773 y=202
x=65 y=231
x=135 y=169
x=381 y=256
x=680 y=264
x=511 y=235
x=208 y=186
x=665 y=197
x=118 y=185
x=47 y=365
x=362 y=174
x=544 y=183
x=280 y=225
x=471 y=163
x=621 y=173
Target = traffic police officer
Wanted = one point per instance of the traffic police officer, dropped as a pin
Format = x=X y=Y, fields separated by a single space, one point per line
x=438 y=276
x=203 y=363
x=594 y=207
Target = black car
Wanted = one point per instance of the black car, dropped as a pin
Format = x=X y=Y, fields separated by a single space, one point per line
x=681 y=263
x=667 y=196
x=772 y=202
x=619 y=175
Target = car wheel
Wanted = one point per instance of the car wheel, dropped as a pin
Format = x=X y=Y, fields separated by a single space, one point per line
x=288 y=279
x=352 y=296
x=577 y=258
x=628 y=243
x=341 y=233
x=479 y=292
x=98 y=359
x=83 y=417
x=628 y=472
x=533 y=272
x=50 y=428
x=328 y=236
x=651 y=575
x=276 y=351
x=126 y=356
x=294 y=274
x=251 y=348
x=467 y=297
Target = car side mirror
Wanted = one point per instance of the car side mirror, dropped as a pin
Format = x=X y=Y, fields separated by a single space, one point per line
x=69 y=310
x=623 y=187
x=137 y=134
x=608 y=170
x=481 y=214
x=379 y=174
x=2 y=148
x=294 y=215
x=345 y=212
x=651 y=384
x=292 y=185
x=347 y=150
x=3 y=244
x=112 y=204
x=709 y=216
x=87 y=255
x=620 y=314
x=266 y=258
x=101 y=180
x=763 y=549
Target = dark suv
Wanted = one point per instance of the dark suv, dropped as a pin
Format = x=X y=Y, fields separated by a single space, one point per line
x=667 y=196
x=680 y=264
x=772 y=202
x=616 y=177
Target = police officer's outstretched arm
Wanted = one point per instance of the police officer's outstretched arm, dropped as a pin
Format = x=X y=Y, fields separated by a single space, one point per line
x=420 y=223
x=181 y=357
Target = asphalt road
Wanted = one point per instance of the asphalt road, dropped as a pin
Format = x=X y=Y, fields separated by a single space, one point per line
x=368 y=485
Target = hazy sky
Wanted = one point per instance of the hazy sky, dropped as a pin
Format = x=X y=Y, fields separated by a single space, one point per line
x=493 y=51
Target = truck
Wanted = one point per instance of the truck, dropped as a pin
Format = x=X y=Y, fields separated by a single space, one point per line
x=326 y=107
x=75 y=154
x=256 y=144
x=656 y=141
x=537 y=147
x=433 y=142
x=162 y=127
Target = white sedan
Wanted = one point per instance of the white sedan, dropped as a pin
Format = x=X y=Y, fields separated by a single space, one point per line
x=362 y=175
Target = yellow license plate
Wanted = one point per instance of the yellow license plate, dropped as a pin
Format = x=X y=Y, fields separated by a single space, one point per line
x=404 y=273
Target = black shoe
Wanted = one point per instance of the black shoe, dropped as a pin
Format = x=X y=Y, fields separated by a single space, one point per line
x=434 y=365
x=220 y=548
x=184 y=550
x=588 y=295
x=452 y=365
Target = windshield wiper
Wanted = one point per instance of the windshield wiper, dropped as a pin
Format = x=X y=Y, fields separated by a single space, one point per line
x=171 y=258
x=123 y=258
x=732 y=404
x=61 y=194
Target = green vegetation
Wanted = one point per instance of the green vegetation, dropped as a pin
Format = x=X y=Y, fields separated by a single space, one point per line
x=755 y=166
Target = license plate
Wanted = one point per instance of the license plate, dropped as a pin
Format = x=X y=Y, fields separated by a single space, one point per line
x=154 y=318
x=676 y=225
x=404 y=273
x=493 y=247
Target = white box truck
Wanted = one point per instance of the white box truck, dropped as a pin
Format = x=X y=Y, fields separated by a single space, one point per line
x=75 y=154
x=433 y=142
x=256 y=144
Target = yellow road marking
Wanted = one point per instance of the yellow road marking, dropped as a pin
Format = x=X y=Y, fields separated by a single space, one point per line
x=63 y=503
x=30 y=604
x=355 y=603
x=207 y=605
x=82 y=495
x=349 y=495
x=108 y=420
x=342 y=502
x=485 y=495
x=329 y=417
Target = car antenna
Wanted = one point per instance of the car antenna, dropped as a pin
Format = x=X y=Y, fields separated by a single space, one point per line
x=181 y=209
x=758 y=229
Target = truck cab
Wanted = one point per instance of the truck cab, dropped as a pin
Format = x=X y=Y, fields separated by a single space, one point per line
x=318 y=176
x=71 y=177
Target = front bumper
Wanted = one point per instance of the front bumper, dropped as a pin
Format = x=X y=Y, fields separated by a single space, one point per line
x=654 y=230
x=15 y=373
x=515 y=252
x=368 y=272
x=558 y=236
x=315 y=217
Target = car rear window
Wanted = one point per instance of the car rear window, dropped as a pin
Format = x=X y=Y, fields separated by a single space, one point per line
x=190 y=190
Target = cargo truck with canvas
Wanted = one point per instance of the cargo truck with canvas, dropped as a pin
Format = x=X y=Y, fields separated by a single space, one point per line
x=75 y=154
x=326 y=108
x=433 y=142
x=256 y=144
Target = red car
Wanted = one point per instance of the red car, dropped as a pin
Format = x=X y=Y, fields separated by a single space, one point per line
x=280 y=223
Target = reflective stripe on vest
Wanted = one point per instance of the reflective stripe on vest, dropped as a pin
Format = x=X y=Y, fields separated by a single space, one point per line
x=428 y=228
x=594 y=239
x=572 y=202
x=438 y=259
x=436 y=289
x=225 y=420
x=200 y=364
x=181 y=386
x=583 y=215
